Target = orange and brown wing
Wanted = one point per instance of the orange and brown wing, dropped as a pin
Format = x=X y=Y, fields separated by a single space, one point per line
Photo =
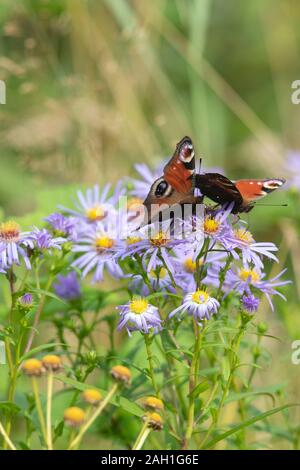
x=180 y=170
x=256 y=189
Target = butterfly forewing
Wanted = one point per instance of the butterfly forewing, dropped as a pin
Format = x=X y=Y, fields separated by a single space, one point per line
x=180 y=170
x=255 y=189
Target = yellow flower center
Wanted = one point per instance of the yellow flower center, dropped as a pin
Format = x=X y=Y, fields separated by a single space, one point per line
x=243 y=235
x=9 y=231
x=138 y=306
x=95 y=213
x=104 y=243
x=161 y=274
x=200 y=297
x=190 y=266
x=133 y=240
x=159 y=239
x=211 y=225
x=244 y=275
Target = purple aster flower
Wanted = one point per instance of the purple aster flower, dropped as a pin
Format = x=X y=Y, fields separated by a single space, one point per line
x=154 y=245
x=293 y=167
x=250 y=302
x=99 y=248
x=26 y=301
x=243 y=279
x=43 y=240
x=158 y=278
x=93 y=206
x=62 y=225
x=68 y=287
x=199 y=304
x=13 y=245
x=185 y=267
x=139 y=315
x=146 y=177
x=241 y=239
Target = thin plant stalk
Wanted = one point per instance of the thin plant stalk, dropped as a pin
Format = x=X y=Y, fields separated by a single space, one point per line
x=49 y=410
x=75 y=442
x=151 y=365
x=6 y=438
x=192 y=384
x=35 y=388
x=145 y=431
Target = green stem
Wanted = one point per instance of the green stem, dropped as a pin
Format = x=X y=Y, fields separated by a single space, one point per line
x=6 y=438
x=37 y=317
x=150 y=362
x=35 y=388
x=75 y=443
x=145 y=431
x=192 y=384
x=49 y=410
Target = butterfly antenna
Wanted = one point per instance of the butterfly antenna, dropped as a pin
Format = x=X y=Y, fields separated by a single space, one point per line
x=200 y=165
x=270 y=205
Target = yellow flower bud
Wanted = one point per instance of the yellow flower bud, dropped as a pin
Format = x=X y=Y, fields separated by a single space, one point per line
x=33 y=367
x=153 y=403
x=121 y=373
x=92 y=396
x=154 y=421
x=52 y=362
x=74 y=416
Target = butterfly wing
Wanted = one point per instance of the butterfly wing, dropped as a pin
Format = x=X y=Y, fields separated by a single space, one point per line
x=176 y=186
x=180 y=170
x=219 y=189
x=251 y=190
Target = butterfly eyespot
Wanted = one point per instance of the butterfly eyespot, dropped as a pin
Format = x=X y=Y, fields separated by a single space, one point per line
x=161 y=188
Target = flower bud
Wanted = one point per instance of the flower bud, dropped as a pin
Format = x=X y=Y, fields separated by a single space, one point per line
x=33 y=367
x=154 y=421
x=92 y=396
x=153 y=403
x=74 y=416
x=121 y=374
x=52 y=362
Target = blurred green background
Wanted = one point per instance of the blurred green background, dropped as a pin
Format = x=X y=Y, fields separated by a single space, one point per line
x=94 y=86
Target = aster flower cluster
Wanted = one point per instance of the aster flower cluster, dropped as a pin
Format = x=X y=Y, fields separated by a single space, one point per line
x=180 y=271
x=210 y=259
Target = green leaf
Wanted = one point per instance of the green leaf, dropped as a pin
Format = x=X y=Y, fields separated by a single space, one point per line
x=200 y=388
x=47 y=294
x=246 y=424
x=121 y=402
x=9 y=406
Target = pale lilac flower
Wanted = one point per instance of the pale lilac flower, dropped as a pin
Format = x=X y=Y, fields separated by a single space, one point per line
x=99 y=249
x=62 y=225
x=241 y=239
x=43 y=240
x=93 y=206
x=158 y=278
x=142 y=185
x=13 y=244
x=26 y=301
x=199 y=304
x=68 y=287
x=139 y=315
x=250 y=302
x=155 y=246
x=244 y=279
x=293 y=167
x=185 y=267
